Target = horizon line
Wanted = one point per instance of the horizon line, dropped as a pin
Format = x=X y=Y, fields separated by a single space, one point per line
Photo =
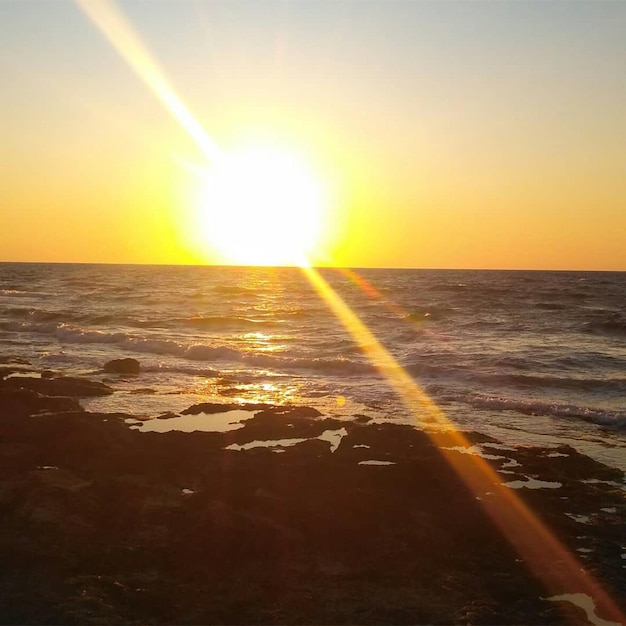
x=321 y=267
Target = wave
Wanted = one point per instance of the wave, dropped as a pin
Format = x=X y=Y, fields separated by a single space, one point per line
x=330 y=366
x=519 y=380
x=613 y=419
x=198 y=322
x=551 y=306
x=233 y=290
x=607 y=327
x=194 y=351
x=22 y=293
x=35 y=314
x=225 y=321
x=31 y=315
x=555 y=382
x=191 y=370
x=426 y=370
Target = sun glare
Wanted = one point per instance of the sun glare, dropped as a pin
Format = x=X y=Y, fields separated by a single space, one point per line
x=262 y=205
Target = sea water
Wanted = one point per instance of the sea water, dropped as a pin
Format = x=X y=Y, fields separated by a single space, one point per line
x=529 y=357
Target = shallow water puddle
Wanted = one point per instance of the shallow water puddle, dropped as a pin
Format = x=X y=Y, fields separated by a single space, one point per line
x=532 y=483
x=333 y=437
x=586 y=603
x=374 y=462
x=475 y=450
x=270 y=443
x=597 y=481
x=511 y=463
x=212 y=423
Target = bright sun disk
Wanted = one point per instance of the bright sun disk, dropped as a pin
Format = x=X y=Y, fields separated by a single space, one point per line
x=262 y=206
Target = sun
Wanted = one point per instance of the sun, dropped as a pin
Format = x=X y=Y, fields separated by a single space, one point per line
x=262 y=205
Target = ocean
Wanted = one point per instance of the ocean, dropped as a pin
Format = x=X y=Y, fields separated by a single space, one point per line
x=528 y=357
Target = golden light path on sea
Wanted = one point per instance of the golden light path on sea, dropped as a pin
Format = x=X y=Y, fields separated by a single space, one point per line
x=550 y=561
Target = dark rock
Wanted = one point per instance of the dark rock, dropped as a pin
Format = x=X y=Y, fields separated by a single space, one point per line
x=122 y=366
x=215 y=407
x=6 y=371
x=300 y=411
x=66 y=386
x=97 y=527
x=166 y=416
x=27 y=402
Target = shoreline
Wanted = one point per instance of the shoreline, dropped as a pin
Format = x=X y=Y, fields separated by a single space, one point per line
x=319 y=521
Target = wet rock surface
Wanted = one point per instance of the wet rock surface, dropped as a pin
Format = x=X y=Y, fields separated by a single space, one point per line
x=66 y=386
x=122 y=366
x=103 y=524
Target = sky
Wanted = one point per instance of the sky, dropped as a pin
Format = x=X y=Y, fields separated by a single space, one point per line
x=440 y=134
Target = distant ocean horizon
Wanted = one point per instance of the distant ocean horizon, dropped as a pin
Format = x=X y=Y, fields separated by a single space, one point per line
x=321 y=267
x=535 y=357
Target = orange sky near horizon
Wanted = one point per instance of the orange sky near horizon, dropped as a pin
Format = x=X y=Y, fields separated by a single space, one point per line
x=447 y=135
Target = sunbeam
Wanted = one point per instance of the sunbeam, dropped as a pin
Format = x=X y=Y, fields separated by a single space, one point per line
x=112 y=23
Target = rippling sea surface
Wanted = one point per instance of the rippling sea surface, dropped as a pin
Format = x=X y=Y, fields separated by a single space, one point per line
x=527 y=357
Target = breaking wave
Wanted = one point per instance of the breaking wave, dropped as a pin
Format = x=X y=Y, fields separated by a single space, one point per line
x=613 y=419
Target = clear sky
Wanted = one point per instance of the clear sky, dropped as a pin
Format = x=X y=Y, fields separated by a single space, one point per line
x=439 y=134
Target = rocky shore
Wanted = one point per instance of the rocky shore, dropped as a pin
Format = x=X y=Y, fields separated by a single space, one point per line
x=287 y=518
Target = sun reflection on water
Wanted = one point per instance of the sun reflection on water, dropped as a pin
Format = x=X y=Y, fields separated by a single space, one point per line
x=260 y=342
x=229 y=388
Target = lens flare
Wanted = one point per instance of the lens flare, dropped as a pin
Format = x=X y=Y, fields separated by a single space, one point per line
x=112 y=23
